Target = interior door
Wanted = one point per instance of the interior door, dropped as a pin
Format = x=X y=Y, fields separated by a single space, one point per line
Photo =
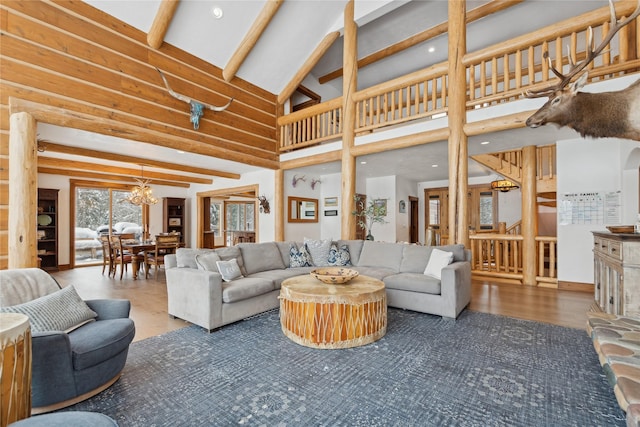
x=413 y=220
x=361 y=203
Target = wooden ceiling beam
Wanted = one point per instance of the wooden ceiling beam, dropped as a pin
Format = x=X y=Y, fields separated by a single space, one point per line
x=52 y=162
x=107 y=177
x=308 y=65
x=103 y=155
x=251 y=38
x=473 y=15
x=161 y=23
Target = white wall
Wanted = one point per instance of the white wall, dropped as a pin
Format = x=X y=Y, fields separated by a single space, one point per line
x=299 y=230
x=384 y=187
x=588 y=165
x=404 y=189
x=330 y=226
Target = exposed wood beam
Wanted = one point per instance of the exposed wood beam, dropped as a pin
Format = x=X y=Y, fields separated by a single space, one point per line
x=251 y=38
x=107 y=177
x=308 y=65
x=59 y=148
x=161 y=22
x=52 y=162
x=308 y=93
x=473 y=15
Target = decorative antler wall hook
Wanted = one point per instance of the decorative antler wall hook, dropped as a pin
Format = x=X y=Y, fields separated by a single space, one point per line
x=296 y=179
x=264 y=204
x=314 y=182
x=196 y=106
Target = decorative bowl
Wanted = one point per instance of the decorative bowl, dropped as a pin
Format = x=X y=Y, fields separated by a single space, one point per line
x=334 y=275
x=620 y=228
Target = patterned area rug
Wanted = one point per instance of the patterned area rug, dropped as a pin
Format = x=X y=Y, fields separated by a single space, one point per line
x=481 y=370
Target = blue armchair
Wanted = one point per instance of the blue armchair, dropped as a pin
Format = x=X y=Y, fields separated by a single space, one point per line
x=69 y=367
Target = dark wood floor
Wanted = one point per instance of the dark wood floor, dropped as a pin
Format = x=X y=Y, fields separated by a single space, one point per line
x=149 y=300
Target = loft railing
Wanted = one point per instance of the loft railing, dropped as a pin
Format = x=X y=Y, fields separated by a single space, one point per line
x=500 y=73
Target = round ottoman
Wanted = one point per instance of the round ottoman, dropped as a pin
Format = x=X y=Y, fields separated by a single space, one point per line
x=67 y=419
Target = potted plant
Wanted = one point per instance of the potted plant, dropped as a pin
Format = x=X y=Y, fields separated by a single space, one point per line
x=368 y=215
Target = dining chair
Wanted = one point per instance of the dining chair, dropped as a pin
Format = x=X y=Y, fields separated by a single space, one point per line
x=165 y=244
x=107 y=254
x=120 y=256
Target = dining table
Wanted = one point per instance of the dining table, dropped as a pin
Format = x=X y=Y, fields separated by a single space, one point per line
x=137 y=250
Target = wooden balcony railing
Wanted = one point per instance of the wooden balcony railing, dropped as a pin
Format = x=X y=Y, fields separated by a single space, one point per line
x=547 y=271
x=500 y=73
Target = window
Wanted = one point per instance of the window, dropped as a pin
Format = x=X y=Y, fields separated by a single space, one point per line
x=215 y=209
x=486 y=210
x=239 y=216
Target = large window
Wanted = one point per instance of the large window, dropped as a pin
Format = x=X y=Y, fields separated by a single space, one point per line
x=239 y=217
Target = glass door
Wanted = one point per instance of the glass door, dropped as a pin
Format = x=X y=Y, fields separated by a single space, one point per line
x=239 y=222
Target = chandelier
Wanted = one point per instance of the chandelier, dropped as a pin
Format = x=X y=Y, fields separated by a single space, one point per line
x=141 y=194
x=503 y=185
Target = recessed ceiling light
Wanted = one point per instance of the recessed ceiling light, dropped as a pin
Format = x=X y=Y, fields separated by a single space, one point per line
x=363 y=162
x=216 y=12
x=180 y=151
x=434 y=166
x=431 y=49
x=485 y=142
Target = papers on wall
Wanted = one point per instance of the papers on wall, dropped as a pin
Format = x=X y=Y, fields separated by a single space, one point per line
x=597 y=207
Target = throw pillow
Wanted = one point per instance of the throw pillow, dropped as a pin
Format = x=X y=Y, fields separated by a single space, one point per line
x=207 y=261
x=319 y=251
x=339 y=257
x=62 y=310
x=186 y=257
x=437 y=261
x=299 y=258
x=229 y=270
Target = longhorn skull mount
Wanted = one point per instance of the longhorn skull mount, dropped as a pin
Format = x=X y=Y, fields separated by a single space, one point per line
x=196 y=107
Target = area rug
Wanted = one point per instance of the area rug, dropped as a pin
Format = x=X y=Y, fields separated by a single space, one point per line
x=480 y=370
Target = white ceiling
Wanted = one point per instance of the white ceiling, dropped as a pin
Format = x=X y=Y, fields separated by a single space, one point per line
x=296 y=30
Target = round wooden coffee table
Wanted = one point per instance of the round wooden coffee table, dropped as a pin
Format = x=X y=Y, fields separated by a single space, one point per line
x=317 y=315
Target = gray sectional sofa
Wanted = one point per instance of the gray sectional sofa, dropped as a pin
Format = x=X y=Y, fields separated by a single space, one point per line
x=197 y=293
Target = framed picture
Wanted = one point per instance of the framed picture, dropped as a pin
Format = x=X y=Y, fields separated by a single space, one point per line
x=331 y=201
x=333 y=212
x=175 y=222
x=381 y=206
x=402 y=207
x=310 y=213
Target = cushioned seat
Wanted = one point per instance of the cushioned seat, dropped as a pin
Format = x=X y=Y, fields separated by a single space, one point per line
x=68 y=419
x=414 y=282
x=67 y=367
x=240 y=289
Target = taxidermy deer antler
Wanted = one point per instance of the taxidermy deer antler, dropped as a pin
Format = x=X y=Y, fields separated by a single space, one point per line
x=296 y=179
x=606 y=114
x=196 y=106
x=264 y=204
x=314 y=182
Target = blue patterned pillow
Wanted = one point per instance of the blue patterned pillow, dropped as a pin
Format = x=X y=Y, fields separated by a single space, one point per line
x=339 y=257
x=299 y=258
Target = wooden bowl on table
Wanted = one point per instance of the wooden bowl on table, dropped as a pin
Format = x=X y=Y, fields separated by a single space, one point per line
x=334 y=275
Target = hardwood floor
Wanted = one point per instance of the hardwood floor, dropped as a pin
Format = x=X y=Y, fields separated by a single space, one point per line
x=149 y=300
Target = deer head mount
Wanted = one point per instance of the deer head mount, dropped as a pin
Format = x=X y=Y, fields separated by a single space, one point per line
x=264 y=204
x=297 y=179
x=196 y=107
x=607 y=114
x=314 y=182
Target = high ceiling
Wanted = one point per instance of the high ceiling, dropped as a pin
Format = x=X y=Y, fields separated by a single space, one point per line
x=295 y=31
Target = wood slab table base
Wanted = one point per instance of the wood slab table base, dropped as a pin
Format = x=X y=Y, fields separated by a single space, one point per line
x=323 y=316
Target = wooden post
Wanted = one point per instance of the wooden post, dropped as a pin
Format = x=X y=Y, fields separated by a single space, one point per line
x=458 y=150
x=349 y=86
x=23 y=191
x=161 y=22
x=279 y=206
x=529 y=215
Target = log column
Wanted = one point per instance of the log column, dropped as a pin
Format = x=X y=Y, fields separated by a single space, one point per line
x=279 y=206
x=529 y=215
x=349 y=86
x=458 y=150
x=23 y=190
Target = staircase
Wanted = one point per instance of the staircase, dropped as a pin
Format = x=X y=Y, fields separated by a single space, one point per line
x=509 y=165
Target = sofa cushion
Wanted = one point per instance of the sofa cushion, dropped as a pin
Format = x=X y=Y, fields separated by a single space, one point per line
x=229 y=270
x=438 y=260
x=375 y=272
x=284 y=247
x=208 y=261
x=278 y=276
x=413 y=282
x=299 y=257
x=339 y=256
x=355 y=247
x=319 y=251
x=415 y=258
x=244 y=288
x=99 y=341
x=381 y=254
x=230 y=252
x=63 y=310
x=260 y=257
x=186 y=257
x=457 y=250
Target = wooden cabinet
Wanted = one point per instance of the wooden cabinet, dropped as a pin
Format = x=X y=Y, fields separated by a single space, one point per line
x=173 y=216
x=616 y=260
x=47 y=223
